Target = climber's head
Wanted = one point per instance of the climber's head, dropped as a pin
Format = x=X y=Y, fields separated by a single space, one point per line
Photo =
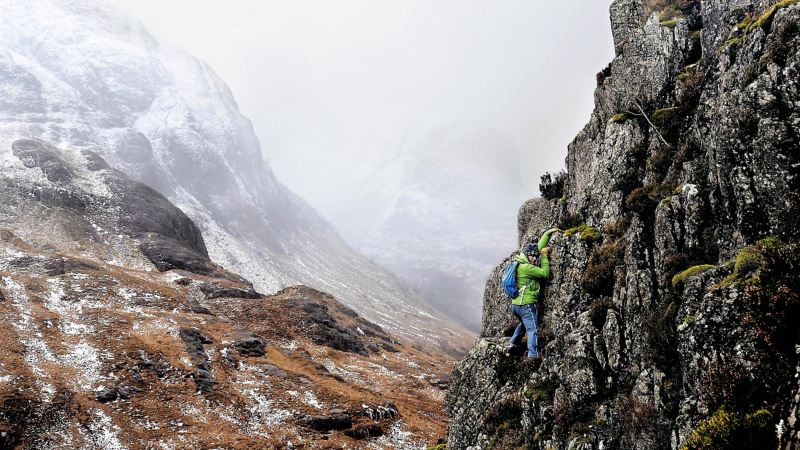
x=532 y=252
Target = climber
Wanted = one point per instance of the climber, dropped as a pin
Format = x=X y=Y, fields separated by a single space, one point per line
x=524 y=305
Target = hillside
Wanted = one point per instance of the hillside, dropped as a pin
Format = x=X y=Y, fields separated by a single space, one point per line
x=120 y=332
x=86 y=76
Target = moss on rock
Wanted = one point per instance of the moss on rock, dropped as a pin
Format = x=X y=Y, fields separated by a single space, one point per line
x=748 y=261
x=728 y=431
x=691 y=272
x=616 y=118
x=663 y=115
x=585 y=233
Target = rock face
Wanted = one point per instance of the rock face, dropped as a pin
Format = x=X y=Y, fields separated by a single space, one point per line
x=88 y=77
x=670 y=322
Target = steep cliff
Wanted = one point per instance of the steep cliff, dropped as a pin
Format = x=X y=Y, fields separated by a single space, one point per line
x=670 y=320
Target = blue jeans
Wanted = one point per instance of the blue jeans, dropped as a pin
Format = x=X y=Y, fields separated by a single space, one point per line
x=527 y=316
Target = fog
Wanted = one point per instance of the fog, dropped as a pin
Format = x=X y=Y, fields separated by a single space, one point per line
x=331 y=85
x=416 y=127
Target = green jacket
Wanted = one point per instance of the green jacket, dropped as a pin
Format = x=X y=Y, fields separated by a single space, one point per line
x=528 y=273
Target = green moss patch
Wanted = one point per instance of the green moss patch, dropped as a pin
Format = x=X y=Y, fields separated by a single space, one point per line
x=748 y=261
x=663 y=115
x=766 y=19
x=691 y=272
x=671 y=23
x=438 y=447
x=616 y=118
x=730 y=431
x=738 y=36
x=585 y=233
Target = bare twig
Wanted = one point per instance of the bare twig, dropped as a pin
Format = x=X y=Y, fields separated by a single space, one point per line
x=641 y=113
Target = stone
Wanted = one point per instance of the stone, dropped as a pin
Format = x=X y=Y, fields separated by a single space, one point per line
x=250 y=346
x=106 y=395
x=337 y=421
x=274 y=371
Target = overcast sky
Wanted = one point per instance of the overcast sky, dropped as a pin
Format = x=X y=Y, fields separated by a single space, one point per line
x=332 y=86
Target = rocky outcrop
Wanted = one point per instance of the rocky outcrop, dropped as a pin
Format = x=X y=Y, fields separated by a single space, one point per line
x=667 y=319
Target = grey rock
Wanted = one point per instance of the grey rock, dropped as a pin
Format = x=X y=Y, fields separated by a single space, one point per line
x=718 y=168
x=275 y=371
x=106 y=395
x=251 y=346
x=334 y=421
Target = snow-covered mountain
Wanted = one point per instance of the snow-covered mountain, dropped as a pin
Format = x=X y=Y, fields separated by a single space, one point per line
x=85 y=76
x=440 y=212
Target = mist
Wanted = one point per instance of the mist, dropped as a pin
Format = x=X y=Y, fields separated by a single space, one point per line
x=418 y=127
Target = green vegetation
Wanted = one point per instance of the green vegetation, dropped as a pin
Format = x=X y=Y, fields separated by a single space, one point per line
x=662 y=115
x=689 y=319
x=621 y=117
x=543 y=390
x=599 y=278
x=748 y=261
x=499 y=432
x=671 y=23
x=437 y=447
x=729 y=431
x=739 y=35
x=585 y=233
x=552 y=186
x=696 y=36
x=766 y=18
x=691 y=272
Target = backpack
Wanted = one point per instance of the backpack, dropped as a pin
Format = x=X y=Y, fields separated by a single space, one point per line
x=510 y=280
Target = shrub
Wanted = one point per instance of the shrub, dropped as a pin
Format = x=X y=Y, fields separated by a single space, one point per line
x=599 y=277
x=640 y=201
x=666 y=9
x=774 y=299
x=616 y=230
x=603 y=74
x=726 y=384
x=636 y=415
x=664 y=116
x=660 y=336
x=552 y=187
x=569 y=220
x=542 y=390
x=730 y=431
x=748 y=260
x=644 y=199
x=688 y=85
x=585 y=233
x=691 y=272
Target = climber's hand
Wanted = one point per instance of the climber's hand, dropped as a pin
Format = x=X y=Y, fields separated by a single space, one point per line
x=545 y=251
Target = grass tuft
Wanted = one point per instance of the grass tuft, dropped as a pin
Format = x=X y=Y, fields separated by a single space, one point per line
x=691 y=272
